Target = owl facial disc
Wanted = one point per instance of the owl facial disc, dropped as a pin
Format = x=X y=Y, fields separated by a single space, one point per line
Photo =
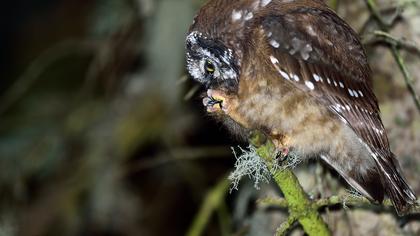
x=210 y=62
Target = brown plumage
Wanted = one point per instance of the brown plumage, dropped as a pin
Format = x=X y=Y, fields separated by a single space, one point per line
x=298 y=72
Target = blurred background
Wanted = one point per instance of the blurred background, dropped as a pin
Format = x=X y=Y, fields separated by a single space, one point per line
x=103 y=133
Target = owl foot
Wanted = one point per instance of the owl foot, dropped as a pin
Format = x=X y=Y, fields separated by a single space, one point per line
x=216 y=101
x=282 y=143
x=219 y=102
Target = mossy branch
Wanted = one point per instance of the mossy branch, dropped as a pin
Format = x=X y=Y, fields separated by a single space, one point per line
x=299 y=205
x=346 y=200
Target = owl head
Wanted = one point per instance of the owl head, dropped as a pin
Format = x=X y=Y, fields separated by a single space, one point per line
x=210 y=62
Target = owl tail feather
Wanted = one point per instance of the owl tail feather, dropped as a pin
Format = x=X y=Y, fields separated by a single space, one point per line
x=369 y=184
x=385 y=178
x=394 y=183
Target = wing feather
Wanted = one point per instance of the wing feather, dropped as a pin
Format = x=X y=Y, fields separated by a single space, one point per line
x=333 y=69
x=339 y=85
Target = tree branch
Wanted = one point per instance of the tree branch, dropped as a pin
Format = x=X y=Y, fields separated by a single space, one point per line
x=286 y=226
x=214 y=199
x=345 y=200
x=402 y=43
x=394 y=49
x=298 y=203
x=407 y=77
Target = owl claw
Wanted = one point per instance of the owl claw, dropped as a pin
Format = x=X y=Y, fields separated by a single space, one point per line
x=282 y=143
x=215 y=101
x=219 y=102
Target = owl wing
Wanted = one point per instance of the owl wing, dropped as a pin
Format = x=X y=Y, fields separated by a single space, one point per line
x=319 y=53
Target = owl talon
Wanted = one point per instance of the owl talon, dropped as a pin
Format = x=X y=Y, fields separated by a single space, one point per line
x=215 y=101
x=281 y=157
x=284 y=151
x=282 y=143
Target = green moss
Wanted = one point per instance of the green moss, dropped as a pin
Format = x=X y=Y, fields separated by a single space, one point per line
x=299 y=205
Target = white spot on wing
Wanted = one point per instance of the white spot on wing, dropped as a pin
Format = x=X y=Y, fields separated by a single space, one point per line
x=316 y=77
x=274 y=43
x=337 y=107
x=236 y=15
x=310 y=85
x=355 y=94
x=304 y=52
x=350 y=92
x=341 y=84
x=311 y=30
x=265 y=2
x=284 y=74
x=295 y=77
x=378 y=130
x=274 y=60
x=343 y=120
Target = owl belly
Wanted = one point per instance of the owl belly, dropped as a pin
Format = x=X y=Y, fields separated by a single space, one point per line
x=295 y=121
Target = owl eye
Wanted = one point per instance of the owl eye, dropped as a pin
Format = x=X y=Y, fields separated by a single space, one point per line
x=209 y=66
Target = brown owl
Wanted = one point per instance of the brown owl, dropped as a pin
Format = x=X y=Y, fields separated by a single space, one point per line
x=296 y=71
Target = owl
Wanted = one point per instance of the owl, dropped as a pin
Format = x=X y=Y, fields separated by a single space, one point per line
x=296 y=71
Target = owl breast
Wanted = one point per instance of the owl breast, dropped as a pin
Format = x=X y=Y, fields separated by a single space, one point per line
x=295 y=121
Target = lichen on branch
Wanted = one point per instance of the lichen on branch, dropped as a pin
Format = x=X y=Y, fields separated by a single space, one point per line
x=299 y=205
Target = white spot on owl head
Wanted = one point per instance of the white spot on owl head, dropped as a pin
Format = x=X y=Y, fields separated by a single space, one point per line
x=192 y=37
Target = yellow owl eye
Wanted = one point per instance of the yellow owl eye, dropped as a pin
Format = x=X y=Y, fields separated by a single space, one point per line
x=210 y=67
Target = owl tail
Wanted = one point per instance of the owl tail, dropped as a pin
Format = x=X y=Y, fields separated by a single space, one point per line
x=394 y=183
x=369 y=184
x=385 y=178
